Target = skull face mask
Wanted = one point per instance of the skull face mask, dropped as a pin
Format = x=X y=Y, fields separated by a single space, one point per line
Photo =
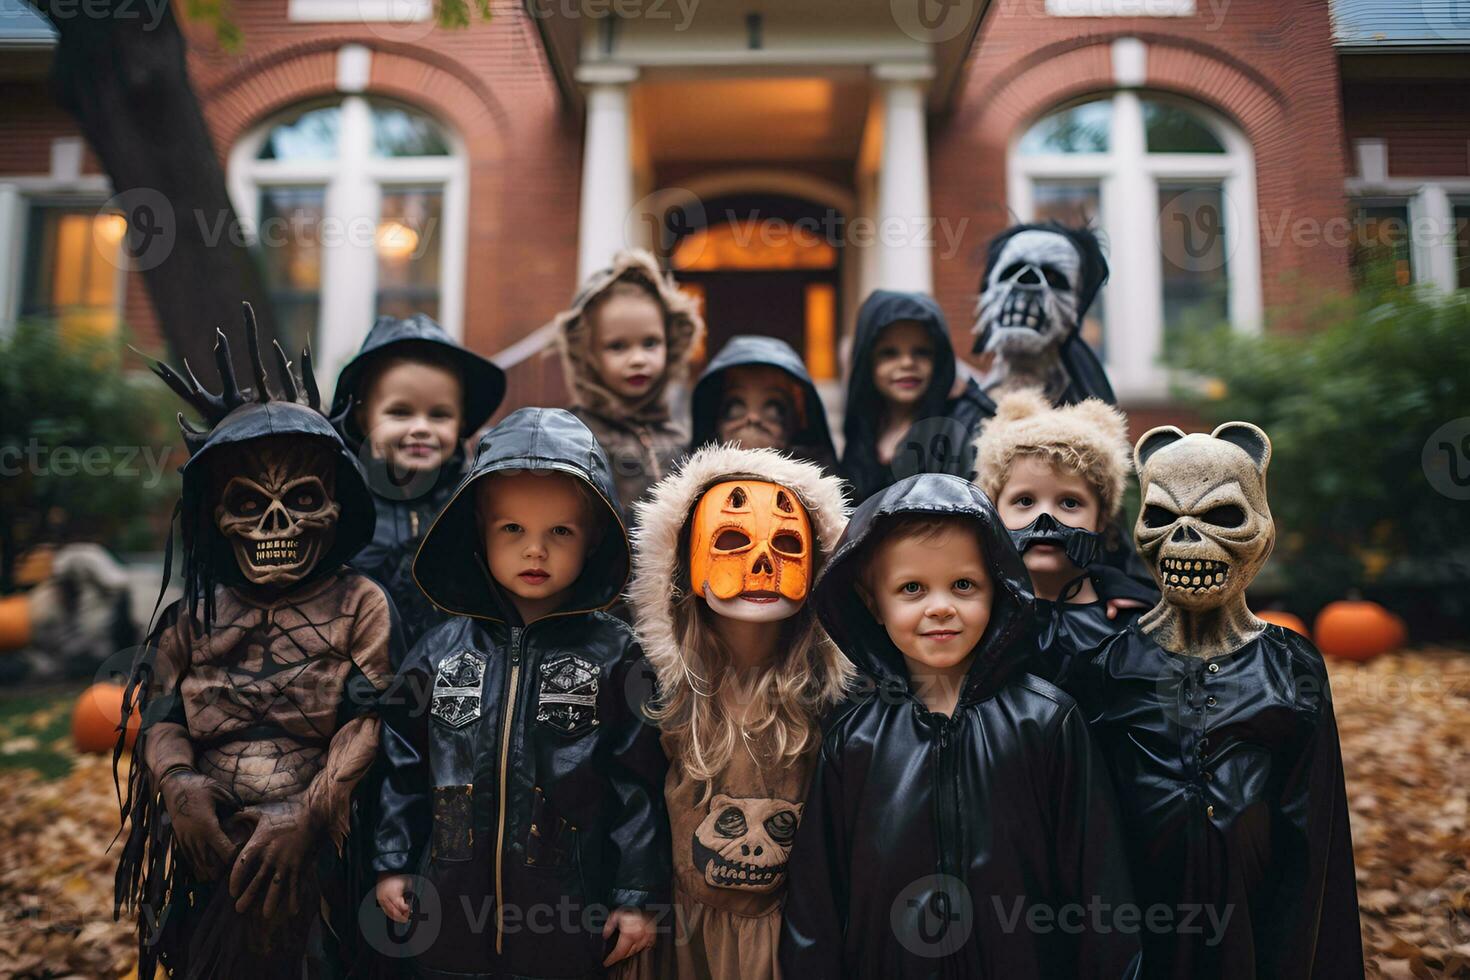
x=743 y=843
x=750 y=550
x=1204 y=529
x=276 y=507
x=1031 y=296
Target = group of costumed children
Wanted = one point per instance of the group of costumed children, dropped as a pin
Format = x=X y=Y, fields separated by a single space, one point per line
x=617 y=697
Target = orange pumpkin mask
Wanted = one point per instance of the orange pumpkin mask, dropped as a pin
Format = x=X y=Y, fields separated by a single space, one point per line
x=750 y=536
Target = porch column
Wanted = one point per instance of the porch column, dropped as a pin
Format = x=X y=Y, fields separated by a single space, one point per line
x=607 y=167
x=905 y=231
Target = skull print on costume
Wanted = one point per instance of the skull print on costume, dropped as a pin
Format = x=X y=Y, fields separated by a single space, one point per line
x=1204 y=530
x=743 y=843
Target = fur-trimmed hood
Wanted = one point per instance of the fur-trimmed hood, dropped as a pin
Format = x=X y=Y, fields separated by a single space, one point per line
x=1090 y=438
x=682 y=330
x=661 y=570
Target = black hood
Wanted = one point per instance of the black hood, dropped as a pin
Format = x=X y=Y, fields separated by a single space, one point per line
x=449 y=566
x=258 y=420
x=813 y=441
x=1001 y=652
x=484 y=383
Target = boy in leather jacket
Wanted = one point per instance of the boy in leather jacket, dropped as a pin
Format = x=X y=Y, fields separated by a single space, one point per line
x=958 y=823
x=522 y=821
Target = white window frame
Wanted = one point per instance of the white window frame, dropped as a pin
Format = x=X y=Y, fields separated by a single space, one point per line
x=1431 y=202
x=18 y=197
x=354 y=182
x=1120 y=8
x=1128 y=178
x=359 y=11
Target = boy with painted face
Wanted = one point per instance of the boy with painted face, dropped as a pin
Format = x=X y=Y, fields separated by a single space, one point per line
x=910 y=407
x=1056 y=476
x=757 y=394
x=625 y=342
x=405 y=404
x=1219 y=733
x=521 y=774
x=726 y=552
x=956 y=801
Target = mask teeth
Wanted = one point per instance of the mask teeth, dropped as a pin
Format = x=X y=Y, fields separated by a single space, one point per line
x=281 y=551
x=1195 y=575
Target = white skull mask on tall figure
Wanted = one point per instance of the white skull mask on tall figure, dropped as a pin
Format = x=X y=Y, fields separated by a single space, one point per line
x=1039 y=282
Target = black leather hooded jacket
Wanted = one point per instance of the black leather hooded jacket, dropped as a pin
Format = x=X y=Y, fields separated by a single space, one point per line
x=984 y=844
x=523 y=783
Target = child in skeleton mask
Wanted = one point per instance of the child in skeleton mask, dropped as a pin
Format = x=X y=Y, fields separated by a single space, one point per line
x=406 y=402
x=521 y=776
x=726 y=551
x=757 y=394
x=258 y=691
x=1057 y=476
x=1219 y=733
x=957 y=793
x=911 y=408
x=625 y=343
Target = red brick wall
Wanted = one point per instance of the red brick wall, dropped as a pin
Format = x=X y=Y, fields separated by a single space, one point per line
x=1424 y=123
x=1267 y=65
x=489 y=82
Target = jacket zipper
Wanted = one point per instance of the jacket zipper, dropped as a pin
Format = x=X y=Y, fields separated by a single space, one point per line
x=516 y=635
x=947 y=801
x=413 y=523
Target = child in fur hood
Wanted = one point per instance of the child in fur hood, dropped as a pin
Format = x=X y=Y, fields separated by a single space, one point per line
x=626 y=338
x=744 y=673
x=1056 y=476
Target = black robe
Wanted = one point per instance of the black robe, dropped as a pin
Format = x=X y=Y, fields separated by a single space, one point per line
x=1229 y=776
x=973 y=845
x=941 y=439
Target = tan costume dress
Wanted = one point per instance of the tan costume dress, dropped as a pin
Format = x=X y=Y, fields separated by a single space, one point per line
x=730 y=856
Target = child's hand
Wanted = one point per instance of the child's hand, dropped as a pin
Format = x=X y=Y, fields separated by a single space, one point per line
x=1115 y=606
x=393 y=896
x=635 y=933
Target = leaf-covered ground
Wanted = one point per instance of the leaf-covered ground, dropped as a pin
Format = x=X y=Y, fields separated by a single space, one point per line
x=1404 y=721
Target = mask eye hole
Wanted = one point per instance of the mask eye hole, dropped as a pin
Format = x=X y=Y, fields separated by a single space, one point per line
x=1055 y=279
x=244 y=502
x=782 y=826
x=731 y=823
x=1226 y=515
x=783 y=502
x=731 y=540
x=1012 y=270
x=737 y=498
x=305 y=498
x=787 y=543
x=1156 y=516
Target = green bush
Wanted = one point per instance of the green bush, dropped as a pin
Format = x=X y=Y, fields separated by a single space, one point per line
x=1349 y=399
x=88 y=450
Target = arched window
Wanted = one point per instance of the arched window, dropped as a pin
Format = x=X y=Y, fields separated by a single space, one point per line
x=1170 y=186
x=356 y=206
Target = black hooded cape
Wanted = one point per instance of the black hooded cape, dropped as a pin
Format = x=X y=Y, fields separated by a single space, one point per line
x=1229 y=777
x=929 y=843
x=941 y=440
x=406 y=507
x=813 y=442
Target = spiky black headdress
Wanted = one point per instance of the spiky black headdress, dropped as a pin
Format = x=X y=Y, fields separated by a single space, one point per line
x=299 y=388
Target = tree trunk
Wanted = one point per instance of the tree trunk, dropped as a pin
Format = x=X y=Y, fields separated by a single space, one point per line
x=123 y=77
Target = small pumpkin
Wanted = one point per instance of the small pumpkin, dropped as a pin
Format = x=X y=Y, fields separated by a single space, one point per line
x=1285 y=620
x=95 y=718
x=15 y=622
x=1355 y=629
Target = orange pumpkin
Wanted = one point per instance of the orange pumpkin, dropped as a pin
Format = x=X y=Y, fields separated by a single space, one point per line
x=1358 y=630
x=1285 y=620
x=15 y=622
x=95 y=718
